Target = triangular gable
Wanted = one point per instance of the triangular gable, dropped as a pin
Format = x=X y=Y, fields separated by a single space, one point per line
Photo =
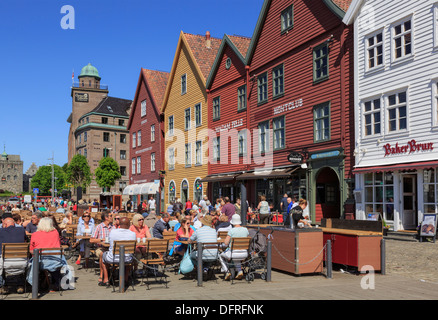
x=239 y=47
x=155 y=83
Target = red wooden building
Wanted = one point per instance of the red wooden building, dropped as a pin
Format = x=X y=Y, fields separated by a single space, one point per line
x=300 y=93
x=146 y=134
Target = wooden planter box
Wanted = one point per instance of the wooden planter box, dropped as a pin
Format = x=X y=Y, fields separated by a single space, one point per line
x=298 y=252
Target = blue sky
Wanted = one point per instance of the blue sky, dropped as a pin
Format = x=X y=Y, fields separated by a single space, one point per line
x=117 y=37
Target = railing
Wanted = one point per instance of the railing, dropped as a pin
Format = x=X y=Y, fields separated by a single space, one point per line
x=87 y=85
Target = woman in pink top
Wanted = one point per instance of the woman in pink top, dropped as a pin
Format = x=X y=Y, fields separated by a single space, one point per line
x=141 y=230
x=183 y=234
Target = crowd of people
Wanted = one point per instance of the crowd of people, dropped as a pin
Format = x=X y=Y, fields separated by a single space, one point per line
x=193 y=221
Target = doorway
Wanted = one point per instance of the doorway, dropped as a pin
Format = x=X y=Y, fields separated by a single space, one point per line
x=409 y=202
x=184 y=191
x=327 y=195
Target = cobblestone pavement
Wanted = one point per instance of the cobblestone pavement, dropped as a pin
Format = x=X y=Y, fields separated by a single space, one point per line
x=416 y=260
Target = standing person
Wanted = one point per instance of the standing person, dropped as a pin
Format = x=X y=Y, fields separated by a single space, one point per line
x=151 y=203
x=188 y=206
x=283 y=206
x=297 y=214
x=129 y=205
x=100 y=234
x=263 y=208
x=228 y=209
x=238 y=207
x=144 y=206
x=203 y=202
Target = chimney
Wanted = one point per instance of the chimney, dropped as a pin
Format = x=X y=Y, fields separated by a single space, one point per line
x=207 y=40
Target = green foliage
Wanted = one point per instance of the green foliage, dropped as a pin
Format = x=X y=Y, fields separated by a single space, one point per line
x=43 y=179
x=107 y=173
x=78 y=173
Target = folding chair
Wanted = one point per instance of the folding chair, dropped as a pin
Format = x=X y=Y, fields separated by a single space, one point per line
x=156 y=251
x=237 y=246
x=56 y=257
x=222 y=234
x=211 y=250
x=15 y=258
x=129 y=246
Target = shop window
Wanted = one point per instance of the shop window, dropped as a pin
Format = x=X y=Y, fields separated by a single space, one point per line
x=379 y=194
x=430 y=191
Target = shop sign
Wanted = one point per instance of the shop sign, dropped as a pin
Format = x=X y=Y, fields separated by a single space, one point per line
x=410 y=147
x=295 y=157
x=230 y=125
x=322 y=155
x=81 y=97
x=288 y=106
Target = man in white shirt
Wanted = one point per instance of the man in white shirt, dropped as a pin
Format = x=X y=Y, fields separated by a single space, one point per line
x=151 y=203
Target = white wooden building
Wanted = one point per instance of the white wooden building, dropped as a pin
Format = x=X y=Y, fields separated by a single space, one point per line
x=396 y=109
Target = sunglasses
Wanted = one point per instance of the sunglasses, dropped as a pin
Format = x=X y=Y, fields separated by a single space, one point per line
x=140 y=219
x=86 y=216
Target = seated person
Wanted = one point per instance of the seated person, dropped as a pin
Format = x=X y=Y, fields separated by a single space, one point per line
x=161 y=225
x=141 y=231
x=223 y=224
x=85 y=228
x=183 y=234
x=237 y=255
x=122 y=233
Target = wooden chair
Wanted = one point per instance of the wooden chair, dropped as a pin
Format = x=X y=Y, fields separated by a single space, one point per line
x=129 y=246
x=239 y=244
x=156 y=251
x=12 y=252
x=169 y=235
x=222 y=234
x=214 y=262
x=56 y=252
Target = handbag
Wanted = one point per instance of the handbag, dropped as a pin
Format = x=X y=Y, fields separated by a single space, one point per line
x=186 y=264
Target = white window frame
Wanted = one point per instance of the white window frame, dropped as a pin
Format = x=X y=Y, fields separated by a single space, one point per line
x=170 y=129
x=396 y=106
x=200 y=114
x=171 y=156
x=367 y=47
x=403 y=57
x=198 y=152
x=217 y=148
x=138 y=165
x=188 y=154
x=153 y=133
x=434 y=116
x=242 y=142
x=187 y=125
x=152 y=161
x=264 y=134
x=435 y=25
x=139 y=138
x=184 y=84
x=133 y=165
x=134 y=140
x=372 y=112
x=143 y=108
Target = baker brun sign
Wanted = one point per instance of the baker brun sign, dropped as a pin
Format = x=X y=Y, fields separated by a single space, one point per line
x=411 y=147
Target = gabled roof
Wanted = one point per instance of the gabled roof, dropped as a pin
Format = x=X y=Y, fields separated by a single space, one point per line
x=238 y=44
x=113 y=106
x=202 y=56
x=155 y=82
x=352 y=11
x=338 y=7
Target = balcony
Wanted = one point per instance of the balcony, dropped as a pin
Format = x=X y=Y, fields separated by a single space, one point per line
x=85 y=85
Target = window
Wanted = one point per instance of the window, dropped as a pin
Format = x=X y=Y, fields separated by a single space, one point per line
x=262 y=88
x=216 y=108
x=79 y=152
x=133 y=165
x=198 y=114
x=134 y=140
x=138 y=165
x=152 y=161
x=153 y=133
x=198 y=152
x=322 y=122
x=241 y=136
x=187 y=117
x=172 y=191
x=278 y=81
x=372 y=117
x=375 y=50
x=397 y=112
x=87 y=120
x=184 y=84
x=171 y=158
x=241 y=98
x=320 y=63
x=171 y=126
x=217 y=148
x=430 y=190
x=143 y=108
x=104 y=120
x=139 y=138
x=106 y=152
x=123 y=170
x=106 y=136
x=264 y=137
x=80 y=139
x=379 y=194
x=287 y=19
x=197 y=190
x=435 y=103
x=122 y=154
x=123 y=138
x=188 y=154
x=85 y=136
x=279 y=134
x=121 y=122
x=85 y=153
x=402 y=39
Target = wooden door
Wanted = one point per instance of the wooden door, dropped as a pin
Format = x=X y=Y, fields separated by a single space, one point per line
x=409 y=201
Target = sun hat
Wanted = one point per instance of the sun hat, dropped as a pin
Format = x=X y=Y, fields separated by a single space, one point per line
x=206 y=220
x=235 y=219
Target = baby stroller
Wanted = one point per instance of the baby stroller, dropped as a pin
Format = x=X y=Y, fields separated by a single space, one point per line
x=256 y=261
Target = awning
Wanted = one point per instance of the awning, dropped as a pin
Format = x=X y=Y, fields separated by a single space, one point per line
x=398 y=166
x=144 y=188
x=128 y=190
x=219 y=177
x=268 y=174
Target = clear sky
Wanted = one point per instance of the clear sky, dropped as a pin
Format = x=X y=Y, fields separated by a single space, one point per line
x=38 y=56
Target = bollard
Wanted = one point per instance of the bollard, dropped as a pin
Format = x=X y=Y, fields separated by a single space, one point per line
x=35 y=273
x=199 y=264
x=383 y=257
x=269 y=262
x=122 y=269
x=329 y=259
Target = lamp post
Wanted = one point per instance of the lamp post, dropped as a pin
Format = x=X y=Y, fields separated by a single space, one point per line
x=53 y=173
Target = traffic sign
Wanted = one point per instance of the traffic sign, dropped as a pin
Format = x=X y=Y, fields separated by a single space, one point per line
x=36 y=190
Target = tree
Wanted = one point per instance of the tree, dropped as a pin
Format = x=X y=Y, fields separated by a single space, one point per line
x=78 y=172
x=43 y=179
x=107 y=172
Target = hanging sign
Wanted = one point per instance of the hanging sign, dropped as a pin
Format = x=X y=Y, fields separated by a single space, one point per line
x=295 y=157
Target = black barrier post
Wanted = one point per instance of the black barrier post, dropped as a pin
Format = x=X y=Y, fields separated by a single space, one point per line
x=329 y=259
x=199 y=264
x=35 y=273
x=122 y=269
x=383 y=257
x=269 y=262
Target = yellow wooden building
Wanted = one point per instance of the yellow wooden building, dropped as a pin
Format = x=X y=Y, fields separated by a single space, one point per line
x=186 y=118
